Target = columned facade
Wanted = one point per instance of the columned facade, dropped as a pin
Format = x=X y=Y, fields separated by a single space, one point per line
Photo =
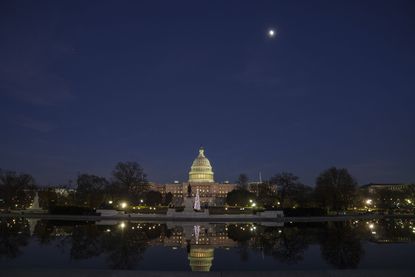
x=201 y=177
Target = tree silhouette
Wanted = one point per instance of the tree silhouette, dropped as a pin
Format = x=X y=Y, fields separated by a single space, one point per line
x=44 y=232
x=86 y=241
x=153 y=198
x=125 y=247
x=14 y=234
x=291 y=245
x=130 y=181
x=242 y=234
x=90 y=190
x=340 y=245
x=266 y=195
x=239 y=197
x=13 y=189
x=285 y=183
x=242 y=181
x=335 y=189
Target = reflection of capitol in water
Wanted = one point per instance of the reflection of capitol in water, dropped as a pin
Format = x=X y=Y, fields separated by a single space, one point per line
x=200 y=241
x=201 y=258
x=123 y=244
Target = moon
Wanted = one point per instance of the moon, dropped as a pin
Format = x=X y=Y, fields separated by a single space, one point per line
x=272 y=33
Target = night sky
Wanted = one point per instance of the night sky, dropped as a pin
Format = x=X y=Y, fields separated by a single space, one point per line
x=86 y=84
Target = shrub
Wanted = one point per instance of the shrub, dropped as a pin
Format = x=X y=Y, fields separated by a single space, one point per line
x=239 y=197
x=149 y=210
x=153 y=198
x=305 y=212
x=71 y=210
x=229 y=210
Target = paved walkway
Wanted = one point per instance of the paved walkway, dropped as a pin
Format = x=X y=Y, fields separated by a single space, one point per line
x=210 y=218
x=126 y=273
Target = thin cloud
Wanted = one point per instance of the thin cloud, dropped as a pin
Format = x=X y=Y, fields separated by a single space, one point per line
x=33 y=84
x=34 y=124
x=29 y=67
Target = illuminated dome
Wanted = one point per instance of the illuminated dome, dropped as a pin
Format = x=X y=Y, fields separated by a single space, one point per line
x=201 y=170
x=201 y=258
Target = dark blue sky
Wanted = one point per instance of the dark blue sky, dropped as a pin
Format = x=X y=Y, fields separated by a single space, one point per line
x=85 y=84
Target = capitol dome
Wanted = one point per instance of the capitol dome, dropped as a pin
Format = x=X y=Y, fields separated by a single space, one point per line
x=201 y=170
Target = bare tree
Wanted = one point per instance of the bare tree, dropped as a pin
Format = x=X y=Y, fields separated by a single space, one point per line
x=14 y=189
x=90 y=189
x=286 y=183
x=335 y=189
x=130 y=180
x=242 y=181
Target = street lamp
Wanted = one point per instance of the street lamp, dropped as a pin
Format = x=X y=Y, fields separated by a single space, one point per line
x=123 y=205
x=368 y=204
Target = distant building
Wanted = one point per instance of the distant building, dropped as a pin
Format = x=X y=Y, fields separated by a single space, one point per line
x=373 y=187
x=64 y=191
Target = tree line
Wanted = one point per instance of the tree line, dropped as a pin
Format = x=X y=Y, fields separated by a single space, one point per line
x=335 y=189
x=128 y=182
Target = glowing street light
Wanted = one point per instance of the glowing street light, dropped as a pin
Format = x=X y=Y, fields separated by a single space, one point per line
x=110 y=202
x=369 y=202
x=123 y=205
x=122 y=225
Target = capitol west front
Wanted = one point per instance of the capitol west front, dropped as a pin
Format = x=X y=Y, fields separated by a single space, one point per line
x=201 y=177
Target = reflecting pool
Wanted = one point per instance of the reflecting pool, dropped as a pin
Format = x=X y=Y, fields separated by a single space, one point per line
x=378 y=244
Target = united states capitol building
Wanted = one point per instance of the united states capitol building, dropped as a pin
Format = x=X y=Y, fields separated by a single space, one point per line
x=201 y=178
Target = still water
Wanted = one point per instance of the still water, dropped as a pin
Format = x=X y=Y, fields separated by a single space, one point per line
x=379 y=244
